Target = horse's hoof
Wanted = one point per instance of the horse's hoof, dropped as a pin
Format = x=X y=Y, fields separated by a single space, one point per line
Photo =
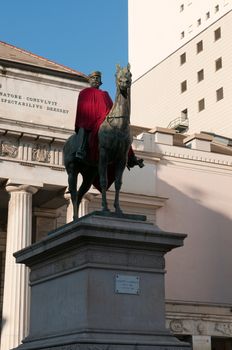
x=105 y=211
x=118 y=212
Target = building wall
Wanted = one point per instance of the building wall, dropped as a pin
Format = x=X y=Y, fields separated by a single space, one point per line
x=38 y=98
x=199 y=204
x=197 y=184
x=158 y=28
x=157 y=98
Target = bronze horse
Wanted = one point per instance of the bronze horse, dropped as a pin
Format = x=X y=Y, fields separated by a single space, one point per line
x=114 y=143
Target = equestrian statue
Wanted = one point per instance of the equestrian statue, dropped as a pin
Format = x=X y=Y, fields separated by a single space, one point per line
x=101 y=148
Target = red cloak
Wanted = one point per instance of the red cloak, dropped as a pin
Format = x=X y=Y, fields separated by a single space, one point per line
x=92 y=108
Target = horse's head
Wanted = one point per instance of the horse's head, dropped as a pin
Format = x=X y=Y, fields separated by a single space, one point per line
x=123 y=77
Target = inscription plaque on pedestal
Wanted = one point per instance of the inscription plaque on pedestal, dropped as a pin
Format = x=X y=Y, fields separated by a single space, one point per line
x=125 y=284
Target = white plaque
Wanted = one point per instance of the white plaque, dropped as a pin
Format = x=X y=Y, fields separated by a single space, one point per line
x=125 y=284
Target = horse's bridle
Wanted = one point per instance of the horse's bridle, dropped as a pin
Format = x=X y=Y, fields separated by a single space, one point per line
x=109 y=118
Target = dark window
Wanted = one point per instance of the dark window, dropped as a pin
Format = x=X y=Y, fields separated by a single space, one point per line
x=183 y=58
x=218 y=64
x=199 y=21
x=216 y=8
x=207 y=15
x=199 y=46
x=200 y=75
x=181 y=7
x=217 y=34
x=201 y=105
x=219 y=94
x=184 y=113
x=183 y=86
x=182 y=35
x=221 y=343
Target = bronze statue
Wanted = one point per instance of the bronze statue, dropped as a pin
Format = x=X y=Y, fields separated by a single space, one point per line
x=114 y=137
x=102 y=133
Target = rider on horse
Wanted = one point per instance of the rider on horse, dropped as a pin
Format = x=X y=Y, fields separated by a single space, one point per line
x=92 y=108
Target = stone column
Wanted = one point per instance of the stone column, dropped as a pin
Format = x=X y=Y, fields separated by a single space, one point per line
x=84 y=207
x=16 y=291
x=201 y=342
x=69 y=212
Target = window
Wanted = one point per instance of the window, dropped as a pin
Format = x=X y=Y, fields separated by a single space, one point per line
x=201 y=105
x=200 y=75
x=200 y=46
x=216 y=8
x=190 y=28
x=182 y=35
x=199 y=21
x=218 y=64
x=219 y=94
x=207 y=15
x=217 y=34
x=181 y=7
x=183 y=86
x=183 y=58
x=184 y=114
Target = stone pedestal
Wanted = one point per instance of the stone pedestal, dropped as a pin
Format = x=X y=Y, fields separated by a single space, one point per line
x=98 y=284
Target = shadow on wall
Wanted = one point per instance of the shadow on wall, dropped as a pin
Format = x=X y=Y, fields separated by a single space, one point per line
x=3 y=322
x=200 y=205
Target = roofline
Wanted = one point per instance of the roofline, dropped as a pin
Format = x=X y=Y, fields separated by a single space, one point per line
x=49 y=71
x=29 y=53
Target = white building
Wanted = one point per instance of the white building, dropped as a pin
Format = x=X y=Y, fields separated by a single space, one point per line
x=158 y=28
x=180 y=52
x=191 y=86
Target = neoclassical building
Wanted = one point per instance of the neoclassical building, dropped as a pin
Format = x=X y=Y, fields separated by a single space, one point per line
x=184 y=187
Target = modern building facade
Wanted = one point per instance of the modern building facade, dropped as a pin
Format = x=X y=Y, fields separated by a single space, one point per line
x=157 y=29
x=182 y=188
x=181 y=64
x=192 y=85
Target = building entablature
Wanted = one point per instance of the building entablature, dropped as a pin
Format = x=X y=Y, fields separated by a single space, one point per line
x=19 y=146
x=197 y=148
x=199 y=319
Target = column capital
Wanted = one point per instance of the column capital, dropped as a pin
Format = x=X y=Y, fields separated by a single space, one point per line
x=21 y=188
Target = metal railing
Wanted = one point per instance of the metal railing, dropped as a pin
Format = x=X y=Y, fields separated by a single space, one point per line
x=180 y=123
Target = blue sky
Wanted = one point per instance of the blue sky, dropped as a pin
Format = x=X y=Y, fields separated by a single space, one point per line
x=85 y=35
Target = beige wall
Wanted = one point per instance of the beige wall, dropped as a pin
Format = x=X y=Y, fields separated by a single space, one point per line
x=157 y=98
x=200 y=205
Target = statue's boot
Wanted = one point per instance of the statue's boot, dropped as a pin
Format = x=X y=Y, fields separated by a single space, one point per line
x=133 y=161
x=82 y=143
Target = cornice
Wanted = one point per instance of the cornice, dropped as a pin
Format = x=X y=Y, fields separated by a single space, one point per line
x=9 y=125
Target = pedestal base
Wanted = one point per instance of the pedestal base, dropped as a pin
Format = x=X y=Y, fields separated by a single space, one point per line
x=98 y=284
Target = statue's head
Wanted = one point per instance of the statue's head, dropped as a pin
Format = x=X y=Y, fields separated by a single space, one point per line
x=123 y=77
x=95 y=79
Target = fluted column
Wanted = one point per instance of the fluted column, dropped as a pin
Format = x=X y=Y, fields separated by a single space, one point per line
x=16 y=289
x=69 y=212
x=84 y=207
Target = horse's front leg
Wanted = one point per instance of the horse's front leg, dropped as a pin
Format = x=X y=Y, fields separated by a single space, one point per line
x=88 y=178
x=118 y=184
x=72 y=186
x=102 y=168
